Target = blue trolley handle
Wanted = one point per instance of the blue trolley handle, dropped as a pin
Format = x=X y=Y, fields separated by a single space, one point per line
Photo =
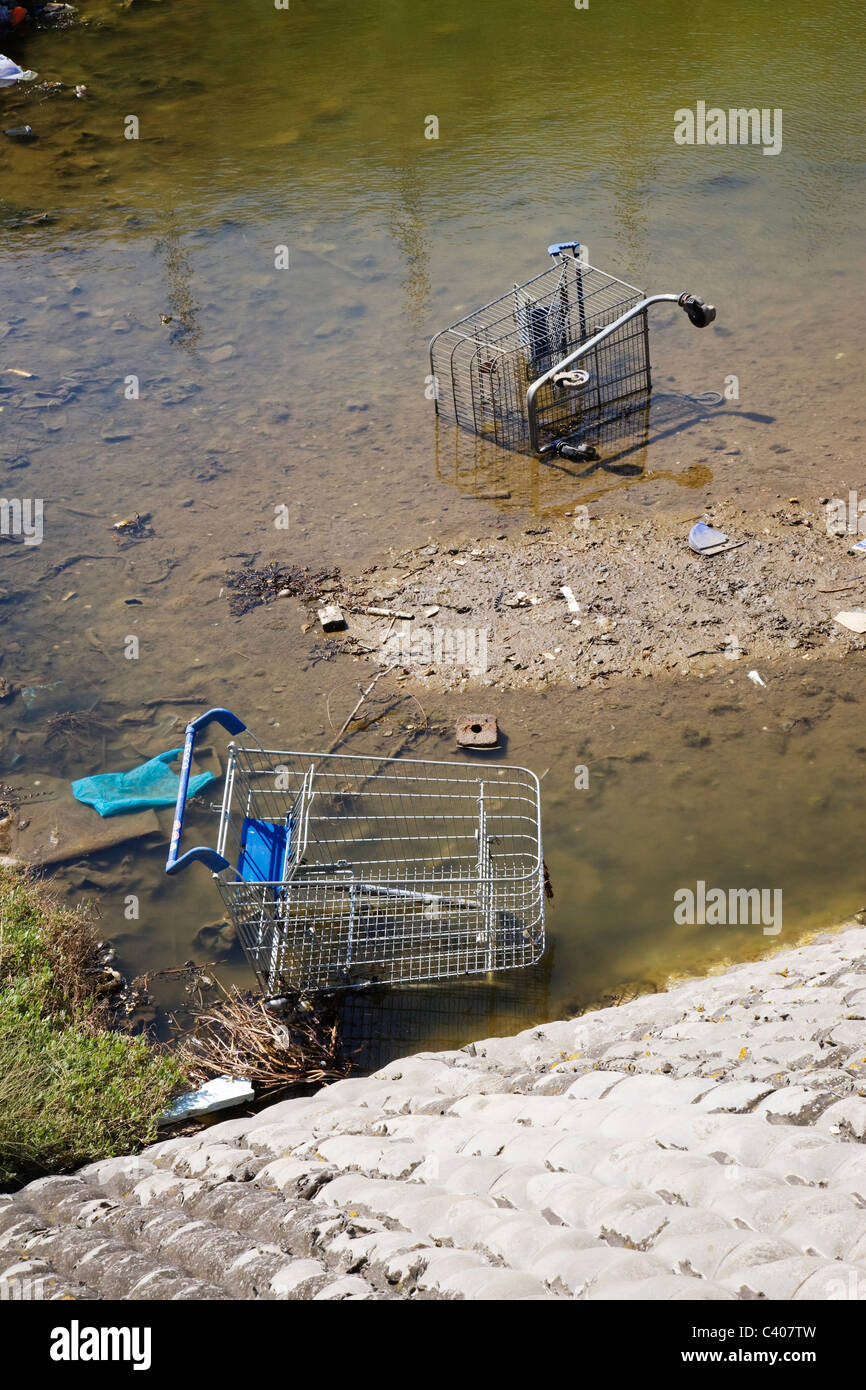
x=203 y=853
x=556 y=248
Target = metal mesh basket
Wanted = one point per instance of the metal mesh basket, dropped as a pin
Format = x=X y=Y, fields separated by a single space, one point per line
x=524 y=369
x=343 y=871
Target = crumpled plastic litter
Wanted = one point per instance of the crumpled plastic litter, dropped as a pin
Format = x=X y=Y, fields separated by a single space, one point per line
x=151 y=784
x=705 y=540
x=855 y=621
x=10 y=73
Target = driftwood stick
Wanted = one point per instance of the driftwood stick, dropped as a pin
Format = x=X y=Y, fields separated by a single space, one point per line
x=364 y=695
x=388 y=631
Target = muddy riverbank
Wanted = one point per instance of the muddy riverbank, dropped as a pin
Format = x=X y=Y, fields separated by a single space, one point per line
x=588 y=599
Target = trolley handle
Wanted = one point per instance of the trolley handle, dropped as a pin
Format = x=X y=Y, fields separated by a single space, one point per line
x=556 y=248
x=700 y=314
x=203 y=853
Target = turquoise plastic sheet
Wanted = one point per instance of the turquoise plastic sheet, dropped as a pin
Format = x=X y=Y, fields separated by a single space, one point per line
x=151 y=784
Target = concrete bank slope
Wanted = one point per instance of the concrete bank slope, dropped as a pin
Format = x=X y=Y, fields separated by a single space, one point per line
x=702 y=1143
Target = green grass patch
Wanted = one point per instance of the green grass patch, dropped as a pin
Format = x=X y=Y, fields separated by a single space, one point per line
x=72 y=1090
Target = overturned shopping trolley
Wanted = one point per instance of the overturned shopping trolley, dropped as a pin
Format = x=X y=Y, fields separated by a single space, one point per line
x=342 y=871
x=528 y=368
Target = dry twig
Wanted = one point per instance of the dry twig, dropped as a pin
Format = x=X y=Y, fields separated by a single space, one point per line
x=239 y=1036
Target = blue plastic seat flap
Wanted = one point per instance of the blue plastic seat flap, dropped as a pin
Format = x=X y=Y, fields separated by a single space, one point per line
x=263 y=849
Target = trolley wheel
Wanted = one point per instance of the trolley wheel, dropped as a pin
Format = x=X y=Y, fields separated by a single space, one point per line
x=571 y=381
x=583 y=453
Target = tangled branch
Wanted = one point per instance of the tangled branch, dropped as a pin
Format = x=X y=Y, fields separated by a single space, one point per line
x=240 y=1036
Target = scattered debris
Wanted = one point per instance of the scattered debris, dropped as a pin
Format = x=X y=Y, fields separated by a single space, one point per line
x=858 y=548
x=11 y=74
x=221 y=1093
x=240 y=1037
x=706 y=540
x=151 y=784
x=135 y=526
x=755 y=678
x=479 y=731
x=250 y=588
x=12 y=797
x=364 y=694
x=571 y=601
x=196 y=980
x=109 y=981
x=855 y=621
x=331 y=618
x=36 y=13
x=548 y=886
x=640 y=601
x=68 y=726
x=389 y=613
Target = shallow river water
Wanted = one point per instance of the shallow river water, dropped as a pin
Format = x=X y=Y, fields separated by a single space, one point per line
x=304 y=388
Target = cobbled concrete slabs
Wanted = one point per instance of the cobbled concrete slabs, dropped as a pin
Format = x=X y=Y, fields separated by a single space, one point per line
x=707 y=1142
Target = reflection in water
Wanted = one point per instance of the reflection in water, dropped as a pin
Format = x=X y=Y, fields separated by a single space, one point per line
x=183 y=321
x=618 y=439
x=406 y=225
x=380 y=1024
x=615 y=437
x=630 y=208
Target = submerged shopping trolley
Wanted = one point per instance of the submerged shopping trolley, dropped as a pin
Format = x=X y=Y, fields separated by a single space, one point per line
x=342 y=871
x=526 y=369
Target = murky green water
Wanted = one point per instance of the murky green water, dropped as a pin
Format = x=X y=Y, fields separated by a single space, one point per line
x=305 y=387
